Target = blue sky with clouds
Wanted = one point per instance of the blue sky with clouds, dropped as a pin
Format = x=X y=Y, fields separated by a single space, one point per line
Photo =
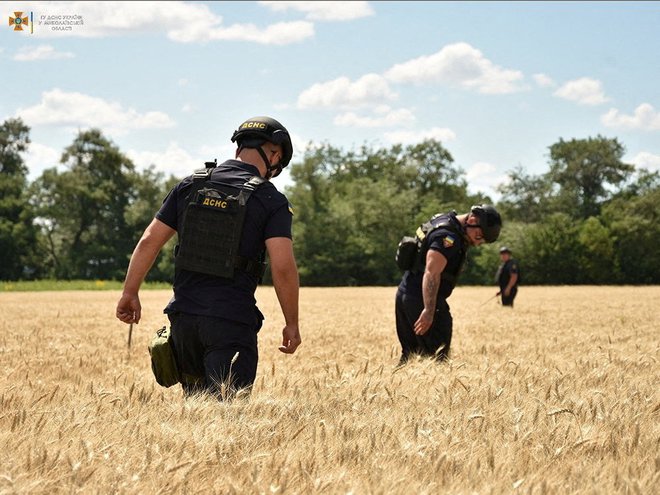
x=496 y=82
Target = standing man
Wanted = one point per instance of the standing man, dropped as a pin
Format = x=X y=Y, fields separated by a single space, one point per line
x=423 y=319
x=226 y=217
x=507 y=277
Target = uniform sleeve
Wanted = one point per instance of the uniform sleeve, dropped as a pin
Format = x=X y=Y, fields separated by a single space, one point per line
x=445 y=242
x=279 y=223
x=168 y=210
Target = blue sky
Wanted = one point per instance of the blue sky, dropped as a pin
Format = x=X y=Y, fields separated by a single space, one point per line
x=496 y=82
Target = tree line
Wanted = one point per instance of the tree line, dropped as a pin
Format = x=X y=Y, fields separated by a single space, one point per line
x=590 y=219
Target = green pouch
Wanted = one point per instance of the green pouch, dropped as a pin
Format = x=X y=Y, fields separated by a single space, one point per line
x=163 y=362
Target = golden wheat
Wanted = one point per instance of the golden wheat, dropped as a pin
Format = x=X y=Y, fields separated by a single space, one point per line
x=558 y=395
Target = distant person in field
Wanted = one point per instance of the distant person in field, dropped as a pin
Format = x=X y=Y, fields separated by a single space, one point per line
x=227 y=218
x=423 y=318
x=507 y=277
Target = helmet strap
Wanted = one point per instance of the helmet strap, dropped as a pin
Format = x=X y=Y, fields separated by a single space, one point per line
x=262 y=153
x=269 y=168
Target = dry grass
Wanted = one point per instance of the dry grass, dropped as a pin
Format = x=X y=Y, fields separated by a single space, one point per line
x=559 y=395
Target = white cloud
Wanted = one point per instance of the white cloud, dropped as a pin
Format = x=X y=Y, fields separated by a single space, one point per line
x=282 y=33
x=647 y=160
x=543 y=80
x=40 y=157
x=585 y=91
x=60 y=108
x=479 y=169
x=458 y=65
x=174 y=160
x=441 y=134
x=385 y=117
x=645 y=118
x=41 y=52
x=183 y=22
x=341 y=92
x=324 y=11
x=483 y=178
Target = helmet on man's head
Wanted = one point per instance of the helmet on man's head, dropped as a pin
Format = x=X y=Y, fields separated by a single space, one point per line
x=254 y=132
x=489 y=221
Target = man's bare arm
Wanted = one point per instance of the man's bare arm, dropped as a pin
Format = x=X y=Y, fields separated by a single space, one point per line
x=287 y=287
x=435 y=263
x=153 y=239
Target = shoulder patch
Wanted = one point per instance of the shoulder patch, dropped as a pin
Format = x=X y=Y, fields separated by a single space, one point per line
x=290 y=208
x=448 y=241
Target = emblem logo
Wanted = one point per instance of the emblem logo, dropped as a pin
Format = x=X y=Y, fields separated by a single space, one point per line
x=18 y=21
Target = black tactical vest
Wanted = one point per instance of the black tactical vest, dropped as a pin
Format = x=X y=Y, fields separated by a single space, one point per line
x=212 y=226
x=436 y=222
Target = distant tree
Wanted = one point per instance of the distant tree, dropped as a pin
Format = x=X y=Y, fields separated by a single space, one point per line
x=633 y=219
x=552 y=251
x=597 y=262
x=587 y=171
x=149 y=188
x=352 y=208
x=525 y=197
x=14 y=140
x=82 y=210
x=18 y=235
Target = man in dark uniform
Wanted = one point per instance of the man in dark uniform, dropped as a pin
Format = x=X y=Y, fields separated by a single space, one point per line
x=213 y=312
x=507 y=277
x=423 y=319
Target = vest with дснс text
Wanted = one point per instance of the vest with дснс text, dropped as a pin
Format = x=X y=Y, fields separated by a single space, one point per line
x=212 y=224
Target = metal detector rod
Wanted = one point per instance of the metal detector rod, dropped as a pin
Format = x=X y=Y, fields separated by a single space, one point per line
x=490 y=299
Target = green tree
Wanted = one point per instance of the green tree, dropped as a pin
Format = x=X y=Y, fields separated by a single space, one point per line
x=352 y=208
x=18 y=235
x=82 y=210
x=587 y=171
x=633 y=219
x=149 y=188
x=525 y=197
x=552 y=252
x=597 y=263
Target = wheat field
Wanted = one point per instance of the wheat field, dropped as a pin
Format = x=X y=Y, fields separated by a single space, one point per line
x=557 y=396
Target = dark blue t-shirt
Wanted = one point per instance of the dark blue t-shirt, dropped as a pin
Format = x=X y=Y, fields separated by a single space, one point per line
x=268 y=215
x=505 y=271
x=452 y=246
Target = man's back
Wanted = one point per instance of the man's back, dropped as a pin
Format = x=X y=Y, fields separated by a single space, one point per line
x=267 y=215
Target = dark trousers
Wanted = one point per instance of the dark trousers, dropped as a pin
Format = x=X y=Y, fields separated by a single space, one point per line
x=435 y=342
x=205 y=348
x=508 y=301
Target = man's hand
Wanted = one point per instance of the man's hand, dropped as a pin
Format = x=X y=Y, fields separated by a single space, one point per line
x=424 y=322
x=129 y=309
x=290 y=339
